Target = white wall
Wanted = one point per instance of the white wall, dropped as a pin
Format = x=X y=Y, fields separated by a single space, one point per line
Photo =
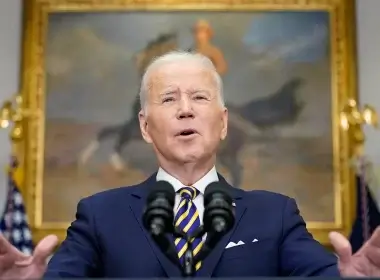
x=369 y=67
x=10 y=38
x=368 y=38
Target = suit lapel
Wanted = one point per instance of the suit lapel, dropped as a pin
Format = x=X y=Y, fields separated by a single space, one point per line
x=213 y=258
x=138 y=200
x=137 y=206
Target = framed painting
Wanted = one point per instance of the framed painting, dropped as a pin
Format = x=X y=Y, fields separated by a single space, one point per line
x=288 y=67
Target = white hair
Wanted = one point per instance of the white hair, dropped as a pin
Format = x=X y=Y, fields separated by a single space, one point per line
x=180 y=57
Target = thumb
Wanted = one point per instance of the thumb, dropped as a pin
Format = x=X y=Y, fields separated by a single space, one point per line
x=44 y=249
x=342 y=247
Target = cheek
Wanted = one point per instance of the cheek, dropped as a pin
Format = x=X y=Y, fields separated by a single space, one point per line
x=156 y=129
x=213 y=128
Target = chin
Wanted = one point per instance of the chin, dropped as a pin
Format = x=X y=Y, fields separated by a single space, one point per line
x=190 y=157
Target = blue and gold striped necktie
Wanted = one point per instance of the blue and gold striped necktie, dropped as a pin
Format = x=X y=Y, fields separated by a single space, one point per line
x=187 y=219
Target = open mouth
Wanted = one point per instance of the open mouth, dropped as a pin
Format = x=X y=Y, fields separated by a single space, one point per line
x=187 y=132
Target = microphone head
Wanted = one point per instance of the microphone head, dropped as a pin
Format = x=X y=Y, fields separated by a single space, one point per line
x=219 y=213
x=219 y=189
x=158 y=215
x=162 y=189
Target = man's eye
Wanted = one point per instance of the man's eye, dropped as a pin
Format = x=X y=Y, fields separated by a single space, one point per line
x=200 y=97
x=168 y=99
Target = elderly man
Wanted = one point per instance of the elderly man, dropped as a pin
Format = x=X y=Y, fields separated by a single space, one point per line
x=184 y=118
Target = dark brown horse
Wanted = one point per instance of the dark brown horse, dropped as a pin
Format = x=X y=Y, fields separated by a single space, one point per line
x=130 y=129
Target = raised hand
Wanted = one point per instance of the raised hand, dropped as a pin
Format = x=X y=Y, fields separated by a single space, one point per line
x=16 y=265
x=364 y=263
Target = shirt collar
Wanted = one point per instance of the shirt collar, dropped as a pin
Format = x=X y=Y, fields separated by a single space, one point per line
x=211 y=176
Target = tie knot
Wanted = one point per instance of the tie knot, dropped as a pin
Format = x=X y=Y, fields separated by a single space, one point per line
x=188 y=192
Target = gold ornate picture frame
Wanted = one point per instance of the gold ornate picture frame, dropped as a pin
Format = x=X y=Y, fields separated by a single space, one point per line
x=50 y=77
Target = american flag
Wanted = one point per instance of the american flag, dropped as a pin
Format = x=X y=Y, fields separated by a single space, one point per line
x=14 y=222
x=367 y=204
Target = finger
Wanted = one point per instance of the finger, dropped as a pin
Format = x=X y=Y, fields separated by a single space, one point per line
x=373 y=254
x=375 y=238
x=8 y=250
x=342 y=247
x=44 y=249
x=24 y=262
x=5 y=246
x=5 y=263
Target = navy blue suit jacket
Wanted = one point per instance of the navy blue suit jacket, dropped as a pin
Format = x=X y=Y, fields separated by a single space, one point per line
x=107 y=239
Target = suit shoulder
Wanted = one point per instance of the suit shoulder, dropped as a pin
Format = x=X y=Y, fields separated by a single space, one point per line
x=266 y=197
x=274 y=205
x=123 y=192
x=112 y=195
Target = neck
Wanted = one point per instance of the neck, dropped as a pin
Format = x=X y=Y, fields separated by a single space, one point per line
x=201 y=44
x=188 y=173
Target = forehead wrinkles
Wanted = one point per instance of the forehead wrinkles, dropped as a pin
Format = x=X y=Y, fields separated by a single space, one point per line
x=163 y=77
x=184 y=78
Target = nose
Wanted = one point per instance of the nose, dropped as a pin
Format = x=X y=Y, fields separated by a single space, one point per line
x=185 y=109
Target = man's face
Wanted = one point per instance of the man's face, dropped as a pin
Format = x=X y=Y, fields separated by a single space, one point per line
x=184 y=118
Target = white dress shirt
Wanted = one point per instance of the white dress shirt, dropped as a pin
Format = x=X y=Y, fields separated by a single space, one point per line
x=211 y=176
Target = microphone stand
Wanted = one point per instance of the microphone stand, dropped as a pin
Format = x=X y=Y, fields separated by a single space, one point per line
x=168 y=248
x=188 y=268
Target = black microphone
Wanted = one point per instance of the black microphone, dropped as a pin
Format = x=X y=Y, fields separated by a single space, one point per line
x=158 y=218
x=219 y=213
x=218 y=217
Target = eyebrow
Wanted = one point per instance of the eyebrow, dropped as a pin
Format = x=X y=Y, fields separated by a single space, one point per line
x=170 y=92
x=203 y=91
x=173 y=91
x=200 y=90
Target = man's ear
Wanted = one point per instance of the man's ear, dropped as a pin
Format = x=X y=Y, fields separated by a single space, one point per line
x=144 y=127
x=223 y=134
